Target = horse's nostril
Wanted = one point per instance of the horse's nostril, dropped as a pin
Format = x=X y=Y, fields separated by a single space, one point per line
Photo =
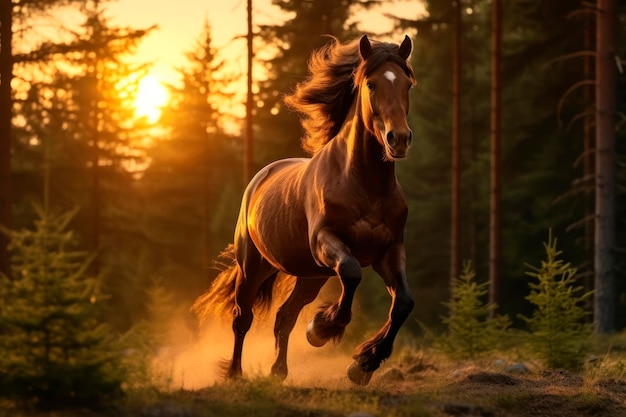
x=391 y=138
x=409 y=138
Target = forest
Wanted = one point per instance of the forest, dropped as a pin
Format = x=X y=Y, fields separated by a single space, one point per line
x=131 y=214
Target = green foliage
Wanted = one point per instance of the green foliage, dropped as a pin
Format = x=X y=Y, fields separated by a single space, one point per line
x=471 y=330
x=558 y=332
x=53 y=346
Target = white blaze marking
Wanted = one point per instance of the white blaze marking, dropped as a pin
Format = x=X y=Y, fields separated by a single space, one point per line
x=390 y=76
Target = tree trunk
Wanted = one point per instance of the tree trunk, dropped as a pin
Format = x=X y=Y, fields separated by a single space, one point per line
x=588 y=156
x=95 y=179
x=604 y=241
x=248 y=152
x=455 y=197
x=6 y=113
x=495 y=171
x=206 y=202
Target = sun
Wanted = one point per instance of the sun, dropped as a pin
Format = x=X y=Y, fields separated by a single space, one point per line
x=151 y=96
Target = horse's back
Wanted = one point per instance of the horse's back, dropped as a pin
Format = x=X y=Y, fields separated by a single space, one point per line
x=268 y=171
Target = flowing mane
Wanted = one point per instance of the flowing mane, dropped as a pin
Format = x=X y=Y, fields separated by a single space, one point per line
x=325 y=97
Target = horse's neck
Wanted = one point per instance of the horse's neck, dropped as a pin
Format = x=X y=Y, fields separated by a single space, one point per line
x=364 y=155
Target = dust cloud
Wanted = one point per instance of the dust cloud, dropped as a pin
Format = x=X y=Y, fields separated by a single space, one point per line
x=195 y=363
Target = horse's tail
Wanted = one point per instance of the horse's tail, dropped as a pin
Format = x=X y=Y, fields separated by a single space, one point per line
x=220 y=299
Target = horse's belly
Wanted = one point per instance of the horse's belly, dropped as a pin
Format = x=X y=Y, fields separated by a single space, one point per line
x=285 y=245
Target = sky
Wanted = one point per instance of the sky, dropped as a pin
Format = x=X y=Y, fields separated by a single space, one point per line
x=180 y=24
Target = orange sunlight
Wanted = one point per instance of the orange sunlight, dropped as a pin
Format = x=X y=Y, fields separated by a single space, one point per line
x=151 y=96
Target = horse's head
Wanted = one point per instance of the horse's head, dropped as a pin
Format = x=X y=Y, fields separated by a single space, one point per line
x=383 y=80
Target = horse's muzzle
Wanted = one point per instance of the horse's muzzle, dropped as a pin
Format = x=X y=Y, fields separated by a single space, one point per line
x=398 y=143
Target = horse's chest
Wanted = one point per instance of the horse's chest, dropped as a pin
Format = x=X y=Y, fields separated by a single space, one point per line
x=367 y=221
x=370 y=232
x=368 y=238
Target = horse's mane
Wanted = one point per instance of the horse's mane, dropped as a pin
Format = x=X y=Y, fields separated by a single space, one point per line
x=325 y=97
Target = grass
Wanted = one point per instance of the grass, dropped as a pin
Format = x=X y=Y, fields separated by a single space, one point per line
x=266 y=397
x=416 y=381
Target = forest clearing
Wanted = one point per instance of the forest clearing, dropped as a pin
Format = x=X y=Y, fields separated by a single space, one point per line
x=440 y=183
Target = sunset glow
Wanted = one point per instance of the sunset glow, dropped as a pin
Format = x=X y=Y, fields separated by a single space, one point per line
x=151 y=96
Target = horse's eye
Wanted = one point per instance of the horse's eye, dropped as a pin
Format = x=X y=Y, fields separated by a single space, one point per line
x=370 y=85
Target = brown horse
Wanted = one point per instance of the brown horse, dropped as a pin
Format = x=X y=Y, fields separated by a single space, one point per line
x=332 y=214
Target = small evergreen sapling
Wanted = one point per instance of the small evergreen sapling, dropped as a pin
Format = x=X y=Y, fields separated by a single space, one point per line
x=470 y=329
x=53 y=346
x=558 y=332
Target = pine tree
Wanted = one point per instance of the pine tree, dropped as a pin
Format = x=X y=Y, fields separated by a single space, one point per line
x=558 y=332
x=16 y=17
x=470 y=329
x=80 y=128
x=190 y=193
x=53 y=346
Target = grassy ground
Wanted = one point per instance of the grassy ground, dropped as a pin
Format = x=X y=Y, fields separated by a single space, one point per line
x=414 y=384
x=416 y=388
x=410 y=387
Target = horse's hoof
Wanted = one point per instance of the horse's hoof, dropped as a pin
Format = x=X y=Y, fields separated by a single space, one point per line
x=313 y=338
x=279 y=372
x=358 y=375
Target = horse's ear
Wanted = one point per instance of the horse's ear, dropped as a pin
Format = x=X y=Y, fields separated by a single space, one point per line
x=405 y=47
x=365 y=47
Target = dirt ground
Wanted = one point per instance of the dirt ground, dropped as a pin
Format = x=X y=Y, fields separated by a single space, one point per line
x=410 y=390
x=416 y=390
x=475 y=392
x=413 y=382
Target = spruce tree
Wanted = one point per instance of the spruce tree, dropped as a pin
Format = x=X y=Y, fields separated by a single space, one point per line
x=79 y=126
x=189 y=195
x=470 y=329
x=558 y=331
x=53 y=345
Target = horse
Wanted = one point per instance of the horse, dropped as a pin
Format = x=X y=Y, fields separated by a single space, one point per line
x=331 y=214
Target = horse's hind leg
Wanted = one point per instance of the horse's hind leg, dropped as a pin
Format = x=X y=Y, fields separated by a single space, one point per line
x=254 y=275
x=304 y=292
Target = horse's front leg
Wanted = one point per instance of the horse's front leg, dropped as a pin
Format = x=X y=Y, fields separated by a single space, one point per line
x=370 y=354
x=331 y=321
x=304 y=292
